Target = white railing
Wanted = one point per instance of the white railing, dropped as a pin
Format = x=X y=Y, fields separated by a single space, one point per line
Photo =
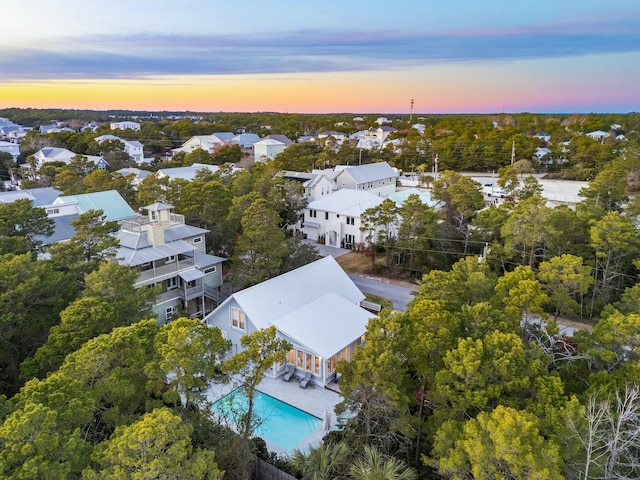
x=164 y=270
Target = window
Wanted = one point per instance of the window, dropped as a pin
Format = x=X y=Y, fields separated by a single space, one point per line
x=237 y=319
x=308 y=364
x=197 y=240
x=172 y=283
x=51 y=211
x=168 y=313
x=316 y=369
x=351 y=221
x=300 y=363
x=326 y=215
x=210 y=270
x=313 y=213
x=170 y=258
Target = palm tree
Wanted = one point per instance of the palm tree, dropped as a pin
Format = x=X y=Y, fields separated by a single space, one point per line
x=324 y=462
x=375 y=466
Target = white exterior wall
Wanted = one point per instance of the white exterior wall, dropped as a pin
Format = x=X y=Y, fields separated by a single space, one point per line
x=11 y=148
x=382 y=187
x=323 y=188
x=335 y=228
x=62 y=209
x=134 y=152
x=125 y=125
x=267 y=151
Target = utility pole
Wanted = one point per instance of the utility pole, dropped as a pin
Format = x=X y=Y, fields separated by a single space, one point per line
x=435 y=168
x=411 y=115
x=513 y=152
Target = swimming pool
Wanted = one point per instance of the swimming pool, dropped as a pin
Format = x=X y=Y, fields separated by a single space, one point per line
x=282 y=424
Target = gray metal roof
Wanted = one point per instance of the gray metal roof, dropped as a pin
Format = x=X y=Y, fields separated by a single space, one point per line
x=40 y=197
x=204 y=260
x=370 y=172
x=136 y=240
x=158 y=206
x=326 y=325
x=62 y=230
x=268 y=301
x=346 y=202
x=191 y=274
x=149 y=254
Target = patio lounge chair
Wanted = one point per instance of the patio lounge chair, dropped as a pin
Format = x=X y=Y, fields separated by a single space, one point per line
x=288 y=372
x=305 y=381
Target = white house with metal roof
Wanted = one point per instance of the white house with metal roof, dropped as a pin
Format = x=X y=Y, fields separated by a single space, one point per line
x=186 y=173
x=63 y=155
x=133 y=148
x=315 y=185
x=137 y=175
x=599 y=135
x=315 y=307
x=337 y=217
x=165 y=251
x=267 y=149
x=125 y=125
x=208 y=143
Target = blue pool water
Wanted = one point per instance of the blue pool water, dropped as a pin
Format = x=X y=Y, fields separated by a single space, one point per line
x=282 y=424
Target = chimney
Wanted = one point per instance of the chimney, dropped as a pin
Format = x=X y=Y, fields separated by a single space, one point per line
x=155 y=232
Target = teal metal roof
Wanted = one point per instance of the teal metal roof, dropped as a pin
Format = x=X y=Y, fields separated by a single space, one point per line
x=110 y=202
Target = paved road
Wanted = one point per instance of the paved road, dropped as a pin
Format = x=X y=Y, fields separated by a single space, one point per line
x=399 y=295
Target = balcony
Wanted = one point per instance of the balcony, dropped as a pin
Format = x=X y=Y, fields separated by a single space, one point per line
x=139 y=224
x=158 y=274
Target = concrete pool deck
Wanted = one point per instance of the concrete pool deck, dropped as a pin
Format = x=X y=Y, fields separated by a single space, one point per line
x=313 y=399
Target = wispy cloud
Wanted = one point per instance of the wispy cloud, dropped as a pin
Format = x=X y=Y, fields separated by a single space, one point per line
x=306 y=51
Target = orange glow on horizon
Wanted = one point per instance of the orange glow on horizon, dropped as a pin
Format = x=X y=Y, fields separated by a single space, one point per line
x=460 y=88
x=383 y=92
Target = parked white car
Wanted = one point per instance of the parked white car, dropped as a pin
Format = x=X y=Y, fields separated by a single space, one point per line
x=493 y=191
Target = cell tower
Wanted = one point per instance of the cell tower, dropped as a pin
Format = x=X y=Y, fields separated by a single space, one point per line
x=411 y=115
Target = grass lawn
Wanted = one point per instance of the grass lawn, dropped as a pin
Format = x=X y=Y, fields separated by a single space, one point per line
x=357 y=263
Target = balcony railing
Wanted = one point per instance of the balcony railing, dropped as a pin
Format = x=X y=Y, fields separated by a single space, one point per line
x=139 y=224
x=164 y=271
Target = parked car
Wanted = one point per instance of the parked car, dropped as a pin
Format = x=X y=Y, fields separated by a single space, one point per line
x=491 y=190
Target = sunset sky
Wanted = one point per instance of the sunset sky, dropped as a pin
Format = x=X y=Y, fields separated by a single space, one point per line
x=308 y=56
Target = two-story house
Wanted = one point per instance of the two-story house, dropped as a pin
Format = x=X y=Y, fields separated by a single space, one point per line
x=167 y=252
x=133 y=148
x=315 y=185
x=337 y=217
